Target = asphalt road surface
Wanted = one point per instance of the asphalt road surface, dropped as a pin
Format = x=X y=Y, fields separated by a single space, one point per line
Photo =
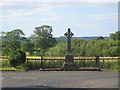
x=61 y=79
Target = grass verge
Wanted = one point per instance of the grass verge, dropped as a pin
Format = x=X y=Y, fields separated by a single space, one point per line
x=8 y=69
x=11 y=69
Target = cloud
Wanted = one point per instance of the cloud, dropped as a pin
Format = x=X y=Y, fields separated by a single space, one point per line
x=37 y=12
x=82 y=3
x=19 y=12
x=12 y=13
x=41 y=12
x=102 y=1
x=108 y=16
x=62 y=4
x=50 y=9
x=47 y=12
x=60 y=15
x=7 y=4
x=60 y=1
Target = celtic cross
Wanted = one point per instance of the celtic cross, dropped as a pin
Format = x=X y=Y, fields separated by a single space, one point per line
x=68 y=34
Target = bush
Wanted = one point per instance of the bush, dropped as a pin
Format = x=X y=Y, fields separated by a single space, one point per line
x=22 y=67
x=17 y=57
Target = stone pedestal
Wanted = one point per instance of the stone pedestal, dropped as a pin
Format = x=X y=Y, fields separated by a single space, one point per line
x=68 y=63
x=69 y=58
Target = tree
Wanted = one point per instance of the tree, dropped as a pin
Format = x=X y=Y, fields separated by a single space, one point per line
x=17 y=57
x=58 y=50
x=80 y=47
x=43 y=38
x=27 y=47
x=100 y=38
x=12 y=46
x=12 y=41
x=115 y=36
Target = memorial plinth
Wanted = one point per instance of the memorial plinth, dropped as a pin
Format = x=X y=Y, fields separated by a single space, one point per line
x=69 y=60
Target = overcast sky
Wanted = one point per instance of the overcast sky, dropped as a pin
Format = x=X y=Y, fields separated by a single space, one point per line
x=84 y=17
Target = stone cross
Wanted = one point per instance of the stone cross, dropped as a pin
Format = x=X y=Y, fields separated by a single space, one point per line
x=68 y=34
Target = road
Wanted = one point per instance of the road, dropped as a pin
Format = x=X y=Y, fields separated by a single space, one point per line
x=61 y=79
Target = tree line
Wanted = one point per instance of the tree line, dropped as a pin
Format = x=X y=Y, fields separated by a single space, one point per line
x=42 y=43
x=98 y=47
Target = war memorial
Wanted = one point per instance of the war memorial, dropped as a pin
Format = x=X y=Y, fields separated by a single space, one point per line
x=66 y=77
x=68 y=64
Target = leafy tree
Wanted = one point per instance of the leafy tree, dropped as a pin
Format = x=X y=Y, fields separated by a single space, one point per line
x=12 y=40
x=12 y=46
x=100 y=38
x=115 y=36
x=58 y=50
x=78 y=47
x=27 y=47
x=43 y=38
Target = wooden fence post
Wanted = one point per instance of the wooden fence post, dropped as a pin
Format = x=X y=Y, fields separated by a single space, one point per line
x=109 y=65
x=98 y=62
x=103 y=64
x=41 y=62
x=84 y=63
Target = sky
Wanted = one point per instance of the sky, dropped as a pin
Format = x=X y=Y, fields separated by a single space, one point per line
x=83 y=17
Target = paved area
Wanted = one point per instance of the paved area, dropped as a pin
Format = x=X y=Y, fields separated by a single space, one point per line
x=61 y=79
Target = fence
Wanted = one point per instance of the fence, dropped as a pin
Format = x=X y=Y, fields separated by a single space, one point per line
x=80 y=62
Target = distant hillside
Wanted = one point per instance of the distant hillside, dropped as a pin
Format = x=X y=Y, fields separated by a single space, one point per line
x=85 y=38
x=64 y=38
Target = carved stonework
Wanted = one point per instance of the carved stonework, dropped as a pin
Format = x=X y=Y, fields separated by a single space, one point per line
x=68 y=34
x=69 y=61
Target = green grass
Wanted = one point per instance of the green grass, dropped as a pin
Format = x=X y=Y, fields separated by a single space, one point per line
x=8 y=69
x=11 y=69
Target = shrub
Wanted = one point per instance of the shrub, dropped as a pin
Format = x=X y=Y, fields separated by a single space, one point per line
x=22 y=67
x=17 y=57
